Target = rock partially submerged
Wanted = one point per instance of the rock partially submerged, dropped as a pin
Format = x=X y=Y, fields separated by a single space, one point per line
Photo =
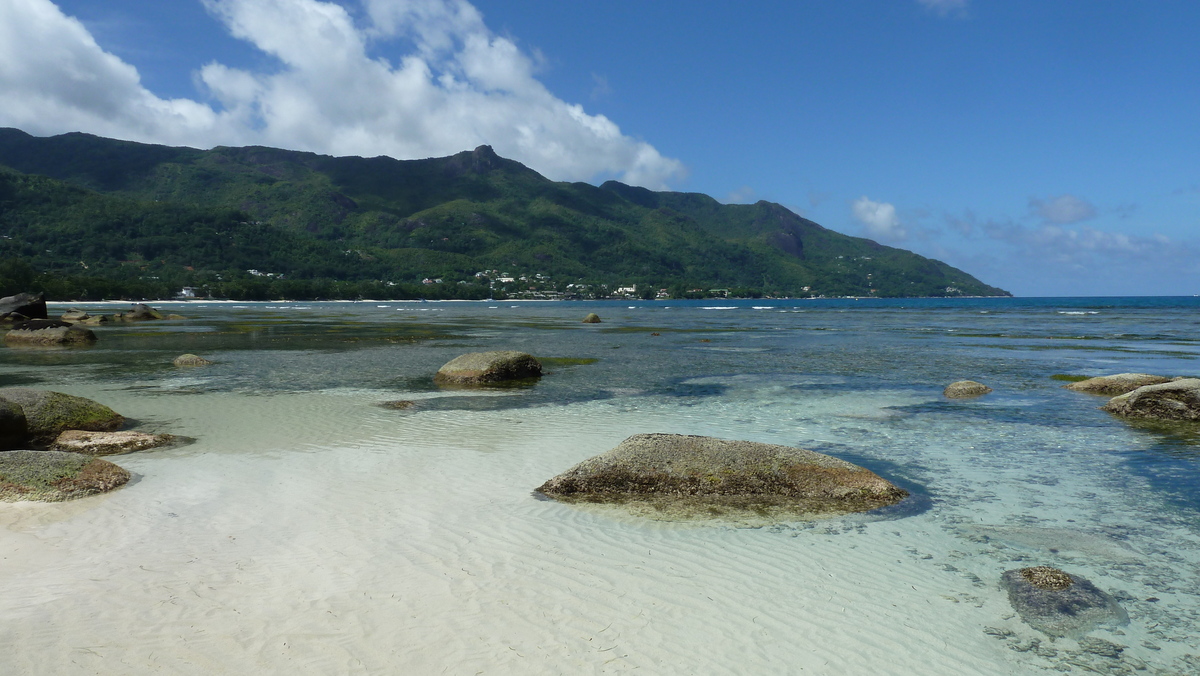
x=44 y=332
x=52 y=476
x=964 y=389
x=677 y=476
x=109 y=443
x=140 y=312
x=191 y=360
x=1175 y=400
x=1118 y=383
x=485 y=368
x=591 y=318
x=398 y=404
x=48 y=414
x=1059 y=604
x=23 y=306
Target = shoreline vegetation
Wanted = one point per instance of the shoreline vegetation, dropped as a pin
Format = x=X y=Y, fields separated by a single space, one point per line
x=86 y=218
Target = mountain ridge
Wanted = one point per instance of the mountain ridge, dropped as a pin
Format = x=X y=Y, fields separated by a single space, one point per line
x=383 y=224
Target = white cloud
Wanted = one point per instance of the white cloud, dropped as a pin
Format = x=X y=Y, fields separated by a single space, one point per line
x=945 y=7
x=461 y=86
x=878 y=218
x=1062 y=210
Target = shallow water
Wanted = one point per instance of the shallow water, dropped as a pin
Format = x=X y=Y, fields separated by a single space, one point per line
x=309 y=530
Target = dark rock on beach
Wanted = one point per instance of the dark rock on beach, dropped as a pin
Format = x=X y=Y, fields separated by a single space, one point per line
x=52 y=476
x=48 y=414
x=484 y=368
x=1175 y=400
x=23 y=306
x=13 y=428
x=964 y=389
x=48 y=332
x=680 y=476
x=1119 y=383
x=1059 y=604
x=109 y=443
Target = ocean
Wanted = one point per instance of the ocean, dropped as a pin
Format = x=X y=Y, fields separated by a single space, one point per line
x=307 y=529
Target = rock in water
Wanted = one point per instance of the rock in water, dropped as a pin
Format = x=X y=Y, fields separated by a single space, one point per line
x=680 y=476
x=13 y=428
x=190 y=360
x=48 y=413
x=42 y=332
x=1058 y=604
x=108 y=443
x=24 y=305
x=591 y=318
x=964 y=389
x=51 y=476
x=1174 y=400
x=1119 y=383
x=484 y=368
x=141 y=312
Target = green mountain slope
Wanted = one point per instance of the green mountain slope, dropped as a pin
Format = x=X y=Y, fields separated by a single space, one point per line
x=134 y=212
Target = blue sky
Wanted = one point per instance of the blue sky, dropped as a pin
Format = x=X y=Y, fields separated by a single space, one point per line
x=1047 y=147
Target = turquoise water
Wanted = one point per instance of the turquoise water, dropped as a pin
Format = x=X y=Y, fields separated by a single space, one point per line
x=1030 y=474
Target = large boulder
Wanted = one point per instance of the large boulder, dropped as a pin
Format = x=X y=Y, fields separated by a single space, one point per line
x=1175 y=400
x=190 y=360
x=484 y=368
x=23 y=306
x=591 y=318
x=1118 y=383
x=965 y=389
x=48 y=414
x=1059 y=604
x=51 y=476
x=13 y=428
x=677 y=476
x=47 y=332
x=109 y=443
x=141 y=312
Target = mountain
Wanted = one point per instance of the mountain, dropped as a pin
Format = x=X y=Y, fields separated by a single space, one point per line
x=134 y=218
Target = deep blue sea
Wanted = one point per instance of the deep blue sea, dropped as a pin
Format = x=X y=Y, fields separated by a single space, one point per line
x=433 y=504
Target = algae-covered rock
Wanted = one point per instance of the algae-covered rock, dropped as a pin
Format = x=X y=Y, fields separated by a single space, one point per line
x=52 y=476
x=1059 y=604
x=964 y=389
x=1175 y=400
x=13 y=428
x=47 y=332
x=681 y=476
x=48 y=413
x=109 y=443
x=190 y=360
x=1118 y=383
x=398 y=404
x=591 y=318
x=484 y=368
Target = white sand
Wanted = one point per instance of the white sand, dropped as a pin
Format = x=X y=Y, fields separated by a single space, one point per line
x=317 y=534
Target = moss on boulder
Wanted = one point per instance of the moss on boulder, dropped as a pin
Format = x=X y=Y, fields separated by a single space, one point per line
x=48 y=414
x=51 y=476
x=675 y=476
x=591 y=318
x=485 y=368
